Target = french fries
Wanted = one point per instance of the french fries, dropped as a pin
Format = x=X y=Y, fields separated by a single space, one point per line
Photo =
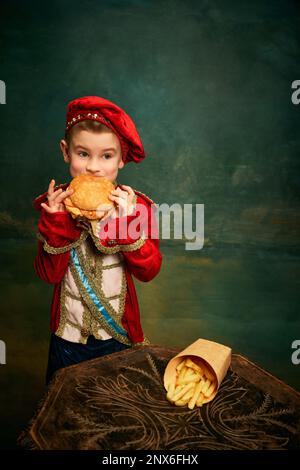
x=193 y=385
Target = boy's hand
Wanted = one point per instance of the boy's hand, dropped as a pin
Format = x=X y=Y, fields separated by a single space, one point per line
x=124 y=199
x=55 y=199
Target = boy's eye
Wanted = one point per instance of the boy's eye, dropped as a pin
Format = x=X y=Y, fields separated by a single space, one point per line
x=83 y=154
x=107 y=156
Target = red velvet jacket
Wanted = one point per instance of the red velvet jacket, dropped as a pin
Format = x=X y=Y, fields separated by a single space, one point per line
x=59 y=229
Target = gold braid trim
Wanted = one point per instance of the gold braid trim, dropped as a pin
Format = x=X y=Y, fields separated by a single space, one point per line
x=94 y=326
x=92 y=307
x=113 y=297
x=103 y=249
x=117 y=248
x=121 y=296
x=88 y=322
x=75 y=325
x=146 y=342
x=64 y=320
x=63 y=249
x=86 y=325
x=63 y=312
x=73 y=296
x=96 y=283
x=113 y=265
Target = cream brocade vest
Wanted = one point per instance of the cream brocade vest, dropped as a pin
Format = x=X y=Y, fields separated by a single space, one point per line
x=79 y=317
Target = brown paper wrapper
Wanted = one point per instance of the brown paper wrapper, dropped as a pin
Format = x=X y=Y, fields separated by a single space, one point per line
x=216 y=356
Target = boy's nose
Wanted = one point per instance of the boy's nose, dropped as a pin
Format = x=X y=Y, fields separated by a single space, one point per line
x=93 y=166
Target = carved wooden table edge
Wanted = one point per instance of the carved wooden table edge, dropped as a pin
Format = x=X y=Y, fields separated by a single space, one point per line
x=240 y=365
x=265 y=381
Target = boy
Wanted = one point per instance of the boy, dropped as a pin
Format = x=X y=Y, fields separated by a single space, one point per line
x=94 y=307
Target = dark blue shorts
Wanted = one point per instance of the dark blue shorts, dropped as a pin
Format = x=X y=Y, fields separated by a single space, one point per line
x=64 y=353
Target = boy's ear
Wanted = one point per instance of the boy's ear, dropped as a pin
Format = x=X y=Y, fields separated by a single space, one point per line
x=121 y=164
x=64 y=149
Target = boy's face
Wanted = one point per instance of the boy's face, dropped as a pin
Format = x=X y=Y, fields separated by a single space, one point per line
x=97 y=154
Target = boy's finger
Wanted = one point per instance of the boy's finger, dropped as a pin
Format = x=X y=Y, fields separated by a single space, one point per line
x=45 y=207
x=63 y=196
x=120 y=202
x=113 y=196
x=120 y=193
x=117 y=199
x=53 y=196
x=51 y=187
x=128 y=188
x=116 y=191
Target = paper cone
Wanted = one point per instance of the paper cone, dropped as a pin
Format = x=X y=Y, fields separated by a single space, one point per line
x=216 y=356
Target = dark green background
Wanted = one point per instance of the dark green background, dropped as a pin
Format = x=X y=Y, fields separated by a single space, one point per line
x=208 y=84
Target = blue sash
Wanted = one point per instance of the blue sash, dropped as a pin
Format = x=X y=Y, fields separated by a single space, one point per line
x=94 y=297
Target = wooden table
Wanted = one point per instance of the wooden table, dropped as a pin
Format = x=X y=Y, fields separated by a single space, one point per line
x=118 y=402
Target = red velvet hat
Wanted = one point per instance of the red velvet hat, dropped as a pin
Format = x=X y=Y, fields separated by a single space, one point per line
x=108 y=113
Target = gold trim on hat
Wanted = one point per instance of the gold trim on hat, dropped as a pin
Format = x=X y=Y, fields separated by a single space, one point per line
x=89 y=116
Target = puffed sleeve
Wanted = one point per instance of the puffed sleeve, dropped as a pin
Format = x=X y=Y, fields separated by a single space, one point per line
x=56 y=230
x=138 y=240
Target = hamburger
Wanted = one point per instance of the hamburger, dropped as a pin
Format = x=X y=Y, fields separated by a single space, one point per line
x=90 y=197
